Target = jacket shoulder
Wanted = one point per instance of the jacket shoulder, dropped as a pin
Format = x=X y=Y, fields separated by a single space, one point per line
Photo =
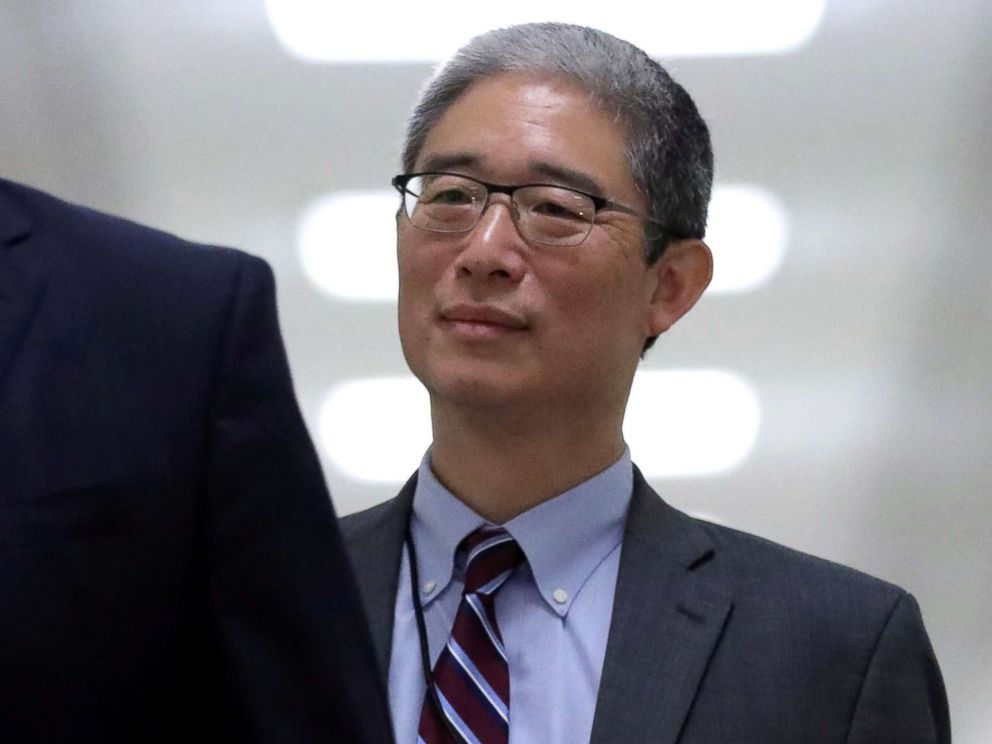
x=355 y=525
x=88 y=238
x=812 y=596
x=745 y=564
x=761 y=559
x=355 y=521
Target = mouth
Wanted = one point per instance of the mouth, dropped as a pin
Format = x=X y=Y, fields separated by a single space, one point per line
x=481 y=321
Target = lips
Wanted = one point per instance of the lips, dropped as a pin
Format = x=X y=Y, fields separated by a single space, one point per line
x=482 y=316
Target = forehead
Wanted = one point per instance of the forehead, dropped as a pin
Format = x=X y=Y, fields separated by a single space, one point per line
x=517 y=127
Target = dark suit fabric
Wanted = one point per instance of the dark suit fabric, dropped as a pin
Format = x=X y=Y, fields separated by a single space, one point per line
x=719 y=637
x=170 y=565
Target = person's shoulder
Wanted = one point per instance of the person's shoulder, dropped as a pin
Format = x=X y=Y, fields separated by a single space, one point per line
x=371 y=519
x=88 y=237
x=776 y=578
x=384 y=521
x=751 y=564
x=760 y=556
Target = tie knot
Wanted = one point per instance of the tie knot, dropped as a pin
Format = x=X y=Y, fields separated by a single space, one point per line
x=491 y=556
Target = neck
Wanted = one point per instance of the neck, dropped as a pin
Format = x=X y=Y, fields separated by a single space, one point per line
x=502 y=465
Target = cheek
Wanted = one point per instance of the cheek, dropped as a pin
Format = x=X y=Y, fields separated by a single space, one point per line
x=602 y=313
x=590 y=291
x=420 y=275
x=410 y=292
x=414 y=299
x=418 y=282
x=421 y=259
x=413 y=318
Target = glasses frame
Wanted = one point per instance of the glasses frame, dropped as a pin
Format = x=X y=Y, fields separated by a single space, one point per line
x=600 y=204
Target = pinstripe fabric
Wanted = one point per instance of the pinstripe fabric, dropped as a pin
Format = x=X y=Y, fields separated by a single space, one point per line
x=471 y=674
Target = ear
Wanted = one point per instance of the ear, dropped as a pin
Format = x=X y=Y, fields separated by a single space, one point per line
x=678 y=280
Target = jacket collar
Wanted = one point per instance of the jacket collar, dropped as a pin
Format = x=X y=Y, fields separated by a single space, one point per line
x=375 y=542
x=667 y=620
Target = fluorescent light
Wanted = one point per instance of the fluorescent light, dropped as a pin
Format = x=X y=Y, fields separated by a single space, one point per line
x=367 y=445
x=685 y=423
x=347 y=245
x=748 y=232
x=680 y=423
x=347 y=241
x=320 y=31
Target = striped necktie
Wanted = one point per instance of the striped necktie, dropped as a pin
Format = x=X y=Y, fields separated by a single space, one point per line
x=471 y=676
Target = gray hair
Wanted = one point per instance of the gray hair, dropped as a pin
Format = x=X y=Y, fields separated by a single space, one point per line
x=668 y=144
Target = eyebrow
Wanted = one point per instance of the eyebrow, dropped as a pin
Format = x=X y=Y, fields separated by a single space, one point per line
x=444 y=161
x=567 y=177
x=557 y=173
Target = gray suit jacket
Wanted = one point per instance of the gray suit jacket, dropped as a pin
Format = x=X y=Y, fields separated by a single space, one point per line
x=719 y=636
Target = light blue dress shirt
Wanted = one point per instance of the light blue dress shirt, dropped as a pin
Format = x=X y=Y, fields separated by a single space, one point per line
x=553 y=613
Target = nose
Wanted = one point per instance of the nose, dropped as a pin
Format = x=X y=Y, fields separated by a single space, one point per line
x=493 y=250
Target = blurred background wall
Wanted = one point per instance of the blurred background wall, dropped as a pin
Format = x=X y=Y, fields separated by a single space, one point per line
x=847 y=370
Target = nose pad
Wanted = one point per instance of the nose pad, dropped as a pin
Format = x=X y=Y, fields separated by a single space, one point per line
x=493 y=247
x=493 y=215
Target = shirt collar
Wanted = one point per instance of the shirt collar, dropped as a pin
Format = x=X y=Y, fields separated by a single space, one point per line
x=564 y=538
x=438 y=524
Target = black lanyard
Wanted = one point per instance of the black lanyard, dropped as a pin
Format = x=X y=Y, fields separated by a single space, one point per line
x=425 y=657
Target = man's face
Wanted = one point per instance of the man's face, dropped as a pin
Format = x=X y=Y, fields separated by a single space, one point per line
x=487 y=319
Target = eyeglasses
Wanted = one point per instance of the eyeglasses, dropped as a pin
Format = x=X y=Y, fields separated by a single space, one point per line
x=543 y=213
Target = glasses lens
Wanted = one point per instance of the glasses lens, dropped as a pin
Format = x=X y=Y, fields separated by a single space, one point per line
x=445 y=203
x=554 y=215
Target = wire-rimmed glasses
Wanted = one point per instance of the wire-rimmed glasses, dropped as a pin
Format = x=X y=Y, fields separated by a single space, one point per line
x=548 y=214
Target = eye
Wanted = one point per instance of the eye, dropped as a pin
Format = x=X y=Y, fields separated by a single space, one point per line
x=447 y=196
x=558 y=210
x=558 y=204
x=447 y=191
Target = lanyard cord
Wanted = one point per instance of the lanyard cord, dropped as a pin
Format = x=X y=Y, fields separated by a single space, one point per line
x=425 y=659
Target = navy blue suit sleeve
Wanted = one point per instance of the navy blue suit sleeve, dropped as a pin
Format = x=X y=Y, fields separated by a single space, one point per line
x=902 y=696
x=295 y=650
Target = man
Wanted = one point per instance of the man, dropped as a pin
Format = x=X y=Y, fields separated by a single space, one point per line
x=527 y=584
x=170 y=566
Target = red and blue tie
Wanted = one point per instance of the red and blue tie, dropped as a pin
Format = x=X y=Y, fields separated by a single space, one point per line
x=471 y=676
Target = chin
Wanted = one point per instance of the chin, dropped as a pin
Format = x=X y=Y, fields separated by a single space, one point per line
x=475 y=389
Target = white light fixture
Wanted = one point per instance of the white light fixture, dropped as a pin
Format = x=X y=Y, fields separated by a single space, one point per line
x=347 y=241
x=680 y=423
x=320 y=31
x=748 y=233
x=347 y=245
x=375 y=429
x=690 y=423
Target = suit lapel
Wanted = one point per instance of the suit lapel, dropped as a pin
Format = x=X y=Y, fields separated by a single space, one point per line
x=666 y=623
x=375 y=542
x=23 y=279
